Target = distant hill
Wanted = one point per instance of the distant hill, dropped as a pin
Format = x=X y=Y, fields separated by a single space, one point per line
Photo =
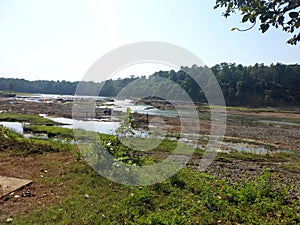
x=258 y=85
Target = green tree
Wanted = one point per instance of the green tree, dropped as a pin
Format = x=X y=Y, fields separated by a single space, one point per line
x=276 y=13
x=126 y=126
x=10 y=86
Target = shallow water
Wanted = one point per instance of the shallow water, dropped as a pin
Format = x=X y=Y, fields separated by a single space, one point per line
x=14 y=126
x=108 y=127
x=96 y=126
x=122 y=105
x=244 y=147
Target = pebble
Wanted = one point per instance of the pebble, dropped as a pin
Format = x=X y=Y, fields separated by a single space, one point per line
x=26 y=194
x=8 y=220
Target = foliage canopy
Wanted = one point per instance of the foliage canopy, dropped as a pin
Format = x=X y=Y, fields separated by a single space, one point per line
x=276 y=13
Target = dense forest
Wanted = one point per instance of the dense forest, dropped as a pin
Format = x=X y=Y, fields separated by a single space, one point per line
x=258 y=85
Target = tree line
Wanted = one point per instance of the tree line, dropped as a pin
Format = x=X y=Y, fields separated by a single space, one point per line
x=258 y=85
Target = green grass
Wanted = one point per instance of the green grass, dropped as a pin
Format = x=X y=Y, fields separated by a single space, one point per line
x=26 y=94
x=17 y=93
x=269 y=147
x=189 y=197
x=51 y=131
x=63 y=133
x=293 y=167
x=27 y=118
x=243 y=156
x=16 y=144
x=255 y=119
x=243 y=108
x=7 y=94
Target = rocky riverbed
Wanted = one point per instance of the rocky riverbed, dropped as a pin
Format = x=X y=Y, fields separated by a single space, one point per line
x=277 y=127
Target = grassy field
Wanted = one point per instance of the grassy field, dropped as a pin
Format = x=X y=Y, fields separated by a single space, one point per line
x=190 y=197
x=66 y=190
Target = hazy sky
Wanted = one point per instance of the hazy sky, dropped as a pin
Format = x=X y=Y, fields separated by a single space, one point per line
x=61 y=39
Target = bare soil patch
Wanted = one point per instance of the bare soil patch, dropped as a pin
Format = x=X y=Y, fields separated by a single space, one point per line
x=37 y=168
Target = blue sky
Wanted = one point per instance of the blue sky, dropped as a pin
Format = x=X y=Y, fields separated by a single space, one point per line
x=60 y=40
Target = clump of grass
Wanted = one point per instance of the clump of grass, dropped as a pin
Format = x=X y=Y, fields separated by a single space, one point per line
x=245 y=156
x=27 y=118
x=51 y=131
x=17 y=145
x=243 y=108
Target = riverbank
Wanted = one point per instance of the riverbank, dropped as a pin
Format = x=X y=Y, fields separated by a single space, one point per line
x=66 y=190
x=278 y=127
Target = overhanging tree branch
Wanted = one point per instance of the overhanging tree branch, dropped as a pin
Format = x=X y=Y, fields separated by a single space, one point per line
x=271 y=13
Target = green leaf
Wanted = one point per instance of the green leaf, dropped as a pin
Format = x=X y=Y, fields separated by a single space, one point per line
x=280 y=19
x=245 y=18
x=264 y=27
x=233 y=29
x=252 y=19
x=293 y=14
